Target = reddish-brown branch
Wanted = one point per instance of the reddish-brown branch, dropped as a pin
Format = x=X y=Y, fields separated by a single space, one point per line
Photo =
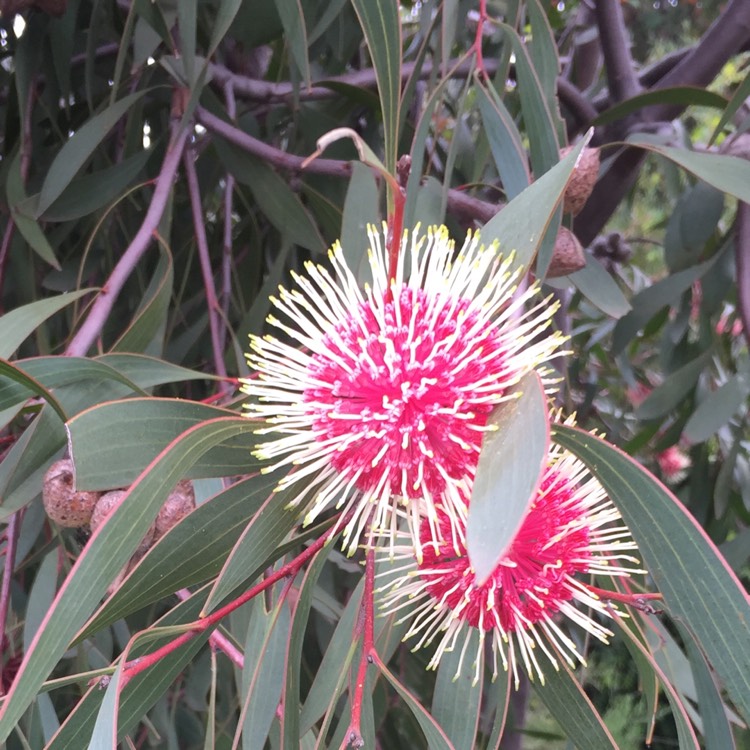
x=12 y=531
x=369 y=654
x=102 y=306
x=465 y=207
x=621 y=76
x=481 y=69
x=136 y=666
x=215 y=323
x=218 y=640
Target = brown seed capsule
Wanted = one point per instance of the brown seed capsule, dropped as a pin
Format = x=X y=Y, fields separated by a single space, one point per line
x=582 y=180
x=180 y=502
x=64 y=505
x=568 y=255
x=107 y=503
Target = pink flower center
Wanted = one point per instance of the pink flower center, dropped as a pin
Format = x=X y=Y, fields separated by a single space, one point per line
x=532 y=580
x=405 y=389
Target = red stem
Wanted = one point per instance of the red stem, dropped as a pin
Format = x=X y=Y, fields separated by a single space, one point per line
x=481 y=70
x=395 y=232
x=136 y=666
x=212 y=302
x=218 y=640
x=369 y=654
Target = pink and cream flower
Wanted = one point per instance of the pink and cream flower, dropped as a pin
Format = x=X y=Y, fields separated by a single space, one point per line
x=571 y=532
x=379 y=395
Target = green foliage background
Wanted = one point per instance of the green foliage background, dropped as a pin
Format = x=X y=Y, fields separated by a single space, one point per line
x=154 y=196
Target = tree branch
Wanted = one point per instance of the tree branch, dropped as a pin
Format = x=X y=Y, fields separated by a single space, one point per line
x=100 y=310
x=621 y=76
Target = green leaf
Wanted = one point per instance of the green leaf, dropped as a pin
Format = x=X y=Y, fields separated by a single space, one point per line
x=716 y=728
x=499 y=696
x=382 y=29
x=261 y=537
x=23 y=379
x=112 y=443
x=595 y=283
x=673 y=390
x=540 y=120
x=20 y=323
x=648 y=302
x=683 y=96
x=295 y=34
x=336 y=661
x=105 y=554
x=509 y=471
x=187 y=22
x=572 y=709
x=294 y=654
x=457 y=701
x=104 y=736
x=143 y=690
x=150 y=320
x=227 y=11
x=40 y=597
x=685 y=733
x=77 y=150
x=717 y=409
x=27 y=225
x=87 y=194
x=698 y=586
x=738 y=99
x=190 y=553
x=692 y=224
x=263 y=670
x=505 y=142
x=730 y=174
x=280 y=204
x=360 y=210
x=436 y=738
x=522 y=224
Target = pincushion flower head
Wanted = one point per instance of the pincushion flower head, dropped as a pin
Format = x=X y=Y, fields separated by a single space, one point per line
x=379 y=395
x=571 y=532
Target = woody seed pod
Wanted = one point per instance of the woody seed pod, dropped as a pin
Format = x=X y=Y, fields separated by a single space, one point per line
x=567 y=256
x=180 y=502
x=582 y=180
x=64 y=505
x=107 y=503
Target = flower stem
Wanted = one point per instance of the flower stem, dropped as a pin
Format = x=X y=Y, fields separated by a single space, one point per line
x=136 y=666
x=369 y=654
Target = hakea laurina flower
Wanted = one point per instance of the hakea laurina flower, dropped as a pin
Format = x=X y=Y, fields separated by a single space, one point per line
x=571 y=532
x=381 y=394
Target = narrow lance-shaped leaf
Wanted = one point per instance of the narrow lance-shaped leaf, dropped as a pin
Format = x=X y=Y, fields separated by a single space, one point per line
x=698 y=586
x=105 y=554
x=508 y=474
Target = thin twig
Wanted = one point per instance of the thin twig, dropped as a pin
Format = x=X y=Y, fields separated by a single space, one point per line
x=101 y=308
x=464 y=206
x=199 y=226
x=12 y=531
x=136 y=666
x=225 y=294
x=218 y=640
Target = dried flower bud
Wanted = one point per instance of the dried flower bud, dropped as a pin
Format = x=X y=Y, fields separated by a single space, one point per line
x=107 y=503
x=582 y=180
x=180 y=502
x=64 y=505
x=567 y=256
